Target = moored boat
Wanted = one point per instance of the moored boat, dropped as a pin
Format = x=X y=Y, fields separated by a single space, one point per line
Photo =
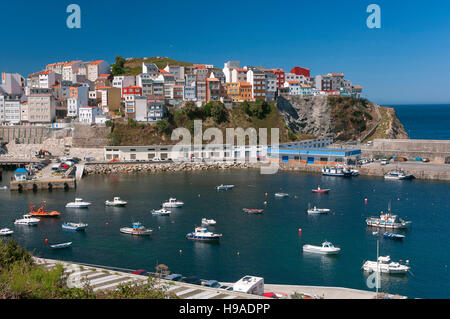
x=202 y=234
x=393 y=236
x=117 y=202
x=6 y=232
x=208 y=222
x=385 y=265
x=281 y=195
x=224 y=187
x=337 y=171
x=387 y=221
x=41 y=212
x=252 y=211
x=74 y=226
x=321 y=191
x=397 y=175
x=172 y=203
x=161 y=212
x=78 y=203
x=317 y=211
x=27 y=220
x=136 y=229
x=61 y=246
x=327 y=248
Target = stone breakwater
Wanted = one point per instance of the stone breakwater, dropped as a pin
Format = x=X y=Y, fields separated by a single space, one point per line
x=130 y=168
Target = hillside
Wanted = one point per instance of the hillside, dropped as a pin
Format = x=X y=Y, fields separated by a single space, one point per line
x=344 y=118
x=133 y=133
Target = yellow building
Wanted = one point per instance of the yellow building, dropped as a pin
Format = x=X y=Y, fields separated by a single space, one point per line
x=239 y=91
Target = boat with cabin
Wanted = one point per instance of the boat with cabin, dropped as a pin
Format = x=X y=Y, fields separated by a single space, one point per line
x=27 y=220
x=281 y=195
x=208 y=222
x=41 y=212
x=387 y=220
x=252 y=211
x=321 y=191
x=78 y=203
x=161 y=212
x=224 y=187
x=397 y=175
x=327 y=248
x=385 y=265
x=136 y=229
x=172 y=203
x=117 y=202
x=337 y=171
x=74 y=226
x=6 y=232
x=317 y=211
x=202 y=234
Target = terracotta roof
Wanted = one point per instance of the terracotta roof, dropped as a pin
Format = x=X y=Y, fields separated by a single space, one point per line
x=96 y=62
x=103 y=87
x=292 y=82
x=357 y=86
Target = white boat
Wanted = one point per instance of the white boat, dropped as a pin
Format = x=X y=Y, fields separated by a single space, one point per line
x=387 y=221
x=161 y=212
x=6 y=232
x=172 y=203
x=385 y=265
x=224 y=187
x=281 y=195
x=316 y=211
x=337 y=171
x=74 y=226
x=116 y=202
x=397 y=175
x=208 y=222
x=327 y=248
x=3 y=187
x=27 y=220
x=78 y=203
x=202 y=234
x=136 y=229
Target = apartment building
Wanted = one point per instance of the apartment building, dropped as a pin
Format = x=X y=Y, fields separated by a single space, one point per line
x=41 y=108
x=257 y=78
x=228 y=68
x=88 y=114
x=70 y=69
x=12 y=83
x=176 y=70
x=78 y=98
x=96 y=68
x=110 y=98
x=123 y=81
x=213 y=89
x=239 y=75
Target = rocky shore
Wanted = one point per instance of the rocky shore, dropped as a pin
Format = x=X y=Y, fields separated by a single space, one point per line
x=130 y=168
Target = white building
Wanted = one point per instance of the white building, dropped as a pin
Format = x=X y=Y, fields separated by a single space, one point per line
x=151 y=69
x=88 y=114
x=70 y=69
x=176 y=70
x=47 y=79
x=96 y=68
x=295 y=77
x=294 y=87
x=123 y=81
x=228 y=67
x=239 y=75
x=78 y=98
x=12 y=83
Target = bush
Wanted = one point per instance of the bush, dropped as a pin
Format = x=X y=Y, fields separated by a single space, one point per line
x=219 y=112
x=163 y=127
x=11 y=252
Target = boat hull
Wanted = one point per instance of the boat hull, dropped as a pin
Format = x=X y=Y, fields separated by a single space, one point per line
x=320 y=250
x=80 y=228
x=389 y=225
x=78 y=205
x=131 y=231
x=191 y=236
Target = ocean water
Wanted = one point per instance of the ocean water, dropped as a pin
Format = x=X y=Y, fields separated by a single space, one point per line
x=269 y=245
x=424 y=121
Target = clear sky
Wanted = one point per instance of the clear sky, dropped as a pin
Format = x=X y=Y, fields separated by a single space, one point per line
x=406 y=61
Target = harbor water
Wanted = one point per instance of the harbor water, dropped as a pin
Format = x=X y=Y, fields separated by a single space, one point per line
x=267 y=245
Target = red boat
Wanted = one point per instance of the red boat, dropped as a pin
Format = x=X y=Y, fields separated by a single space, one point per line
x=321 y=191
x=253 y=211
x=42 y=213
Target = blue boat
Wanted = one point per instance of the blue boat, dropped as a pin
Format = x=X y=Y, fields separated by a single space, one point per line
x=74 y=226
x=393 y=236
x=60 y=246
x=224 y=187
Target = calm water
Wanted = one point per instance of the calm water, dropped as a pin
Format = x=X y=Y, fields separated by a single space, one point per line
x=269 y=244
x=425 y=121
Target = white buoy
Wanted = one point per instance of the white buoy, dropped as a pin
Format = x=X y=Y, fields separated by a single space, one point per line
x=180 y=251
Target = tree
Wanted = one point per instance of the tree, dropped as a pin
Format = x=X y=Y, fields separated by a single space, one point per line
x=163 y=127
x=219 y=112
x=246 y=107
x=118 y=68
x=191 y=110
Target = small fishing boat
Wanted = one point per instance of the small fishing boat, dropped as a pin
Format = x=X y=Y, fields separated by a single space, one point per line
x=117 y=202
x=397 y=175
x=136 y=229
x=387 y=221
x=224 y=187
x=74 y=226
x=161 y=212
x=393 y=236
x=327 y=248
x=172 y=203
x=61 y=246
x=78 y=203
x=208 y=222
x=41 y=212
x=27 y=220
x=202 y=234
x=385 y=265
x=320 y=190
x=252 y=211
x=317 y=211
x=6 y=232
x=354 y=172
x=281 y=195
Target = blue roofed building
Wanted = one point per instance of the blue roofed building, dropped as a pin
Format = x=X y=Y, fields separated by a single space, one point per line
x=322 y=156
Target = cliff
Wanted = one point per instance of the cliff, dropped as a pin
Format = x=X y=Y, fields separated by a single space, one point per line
x=344 y=118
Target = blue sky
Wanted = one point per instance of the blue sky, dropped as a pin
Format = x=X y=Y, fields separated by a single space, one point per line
x=406 y=61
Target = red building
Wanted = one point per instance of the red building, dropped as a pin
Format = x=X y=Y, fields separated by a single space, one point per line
x=301 y=71
x=280 y=77
x=131 y=90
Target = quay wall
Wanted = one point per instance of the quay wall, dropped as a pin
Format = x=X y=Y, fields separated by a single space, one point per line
x=42 y=184
x=129 y=168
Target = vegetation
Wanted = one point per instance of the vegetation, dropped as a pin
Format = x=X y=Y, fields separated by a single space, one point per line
x=259 y=114
x=20 y=278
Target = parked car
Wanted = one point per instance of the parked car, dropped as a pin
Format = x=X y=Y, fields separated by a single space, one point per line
x=156 y=159
x=384 y=162
x=173 y=277
x=425 y=160
x=192 y=280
